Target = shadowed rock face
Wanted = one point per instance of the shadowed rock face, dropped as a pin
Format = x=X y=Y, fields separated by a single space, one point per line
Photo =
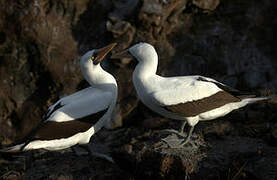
x=232 y=41
x=39 y=58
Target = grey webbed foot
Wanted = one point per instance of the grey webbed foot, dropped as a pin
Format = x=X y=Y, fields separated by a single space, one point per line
x=178 y=139
x=173 y=141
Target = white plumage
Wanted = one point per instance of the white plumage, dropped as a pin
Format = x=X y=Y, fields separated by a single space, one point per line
x=91 y=101
x=189 y=98
x=96 y=103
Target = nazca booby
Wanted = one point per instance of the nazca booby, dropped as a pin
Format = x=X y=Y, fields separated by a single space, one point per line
x=73 y=119
x=187 y=98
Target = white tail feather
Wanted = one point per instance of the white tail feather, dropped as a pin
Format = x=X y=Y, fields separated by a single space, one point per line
x=253 y=100
x=247 y=101
x=13 y=149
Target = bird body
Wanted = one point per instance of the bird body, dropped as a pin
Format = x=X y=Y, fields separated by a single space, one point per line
x=75 y=118
x=188 y=98
x=195 y=98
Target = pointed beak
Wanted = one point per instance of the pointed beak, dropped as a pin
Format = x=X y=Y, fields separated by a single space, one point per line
x=102 y=52
x=123 y=54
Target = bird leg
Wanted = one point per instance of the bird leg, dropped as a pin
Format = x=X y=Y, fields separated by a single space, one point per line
x=102 y=156
x=178 y=133
x=80 y=150
x=95 y=154
x=183 y=126
x=188 y=137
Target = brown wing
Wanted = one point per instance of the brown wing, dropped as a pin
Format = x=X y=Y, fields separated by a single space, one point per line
x=194 y=108
x=56 y=130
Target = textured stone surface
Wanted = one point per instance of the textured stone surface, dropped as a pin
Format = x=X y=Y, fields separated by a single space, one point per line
x=206 y=5
x=39 y=57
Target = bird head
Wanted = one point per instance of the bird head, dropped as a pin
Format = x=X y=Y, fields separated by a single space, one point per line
x=141 y=52
x=97 y=55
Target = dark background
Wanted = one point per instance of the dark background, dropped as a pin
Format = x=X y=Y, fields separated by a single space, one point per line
x=232 y=41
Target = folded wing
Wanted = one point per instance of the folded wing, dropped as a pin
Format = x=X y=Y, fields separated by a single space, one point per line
x=192 y=95
x=81 y=105
x=71 y=98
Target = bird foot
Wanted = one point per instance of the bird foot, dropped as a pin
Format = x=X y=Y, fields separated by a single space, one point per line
x=79 y=151
x=174 y=141
x=92 y=153
x=177 y=139
x=102 y=156
x=173 y=131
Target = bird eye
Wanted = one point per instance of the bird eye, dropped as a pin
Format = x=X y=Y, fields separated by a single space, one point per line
x=92 y=58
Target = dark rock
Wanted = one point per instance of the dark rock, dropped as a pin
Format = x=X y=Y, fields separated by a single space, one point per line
x=123 y=8
x=37 y=59
x=121 y=30
x=206 y=5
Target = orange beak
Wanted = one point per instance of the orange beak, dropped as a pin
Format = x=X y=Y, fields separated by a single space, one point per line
x=123 y=54
x=102 y=52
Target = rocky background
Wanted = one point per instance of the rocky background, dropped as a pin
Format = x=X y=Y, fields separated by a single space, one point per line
x=230 y=40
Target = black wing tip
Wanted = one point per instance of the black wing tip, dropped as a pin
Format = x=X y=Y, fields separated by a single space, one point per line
x=50 y=112
x=13 y=149
x=257 y=94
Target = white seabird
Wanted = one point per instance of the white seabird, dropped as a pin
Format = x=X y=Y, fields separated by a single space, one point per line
x=188 y=98
x=75 y=118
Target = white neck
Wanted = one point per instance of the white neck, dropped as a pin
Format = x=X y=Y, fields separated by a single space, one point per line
x=96 y=76
x=100 y=79
x=147 y=67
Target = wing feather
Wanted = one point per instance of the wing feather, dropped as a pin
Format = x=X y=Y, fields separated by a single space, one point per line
x=193 y=95
x=71 y=98
x=82 y=105
x=56 y=130
x=181 y=90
